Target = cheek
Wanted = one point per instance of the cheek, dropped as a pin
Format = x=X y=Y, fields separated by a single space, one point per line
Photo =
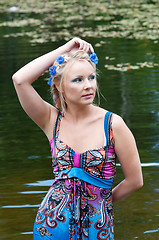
x=71 y=91
x=95 y=85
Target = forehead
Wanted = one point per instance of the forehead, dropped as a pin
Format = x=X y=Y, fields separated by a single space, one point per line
x=79 y=67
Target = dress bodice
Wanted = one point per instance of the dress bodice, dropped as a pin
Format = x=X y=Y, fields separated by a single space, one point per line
x=96 y=166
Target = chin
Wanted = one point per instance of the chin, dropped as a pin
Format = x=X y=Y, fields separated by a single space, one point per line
x=89 y=102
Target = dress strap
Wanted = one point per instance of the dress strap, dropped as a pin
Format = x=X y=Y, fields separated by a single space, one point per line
x=108 y=129
x=56 y=124
x=53 y=142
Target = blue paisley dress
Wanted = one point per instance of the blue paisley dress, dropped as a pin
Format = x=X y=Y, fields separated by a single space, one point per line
x=78 y=205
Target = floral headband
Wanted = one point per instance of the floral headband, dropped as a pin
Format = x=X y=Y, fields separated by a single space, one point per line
x=52 y=70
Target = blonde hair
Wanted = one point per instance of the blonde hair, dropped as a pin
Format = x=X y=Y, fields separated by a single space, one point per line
x=58 y=78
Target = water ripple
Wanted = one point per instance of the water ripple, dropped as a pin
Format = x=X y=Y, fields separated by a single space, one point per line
x=21 y=206
x=152 y=231
x=26 y=233
x=43 y=183
x=153 y=164
x=33 y=192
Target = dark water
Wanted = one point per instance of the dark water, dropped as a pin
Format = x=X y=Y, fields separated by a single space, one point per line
x=25 y=159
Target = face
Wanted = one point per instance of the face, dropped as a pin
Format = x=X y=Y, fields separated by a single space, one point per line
x=79 y=86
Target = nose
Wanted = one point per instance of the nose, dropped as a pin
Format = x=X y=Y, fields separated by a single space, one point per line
x=87 y=84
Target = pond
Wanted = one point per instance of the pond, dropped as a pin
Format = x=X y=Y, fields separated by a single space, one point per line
x=128 y=51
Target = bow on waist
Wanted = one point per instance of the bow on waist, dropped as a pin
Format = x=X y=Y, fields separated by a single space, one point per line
x=81 y=174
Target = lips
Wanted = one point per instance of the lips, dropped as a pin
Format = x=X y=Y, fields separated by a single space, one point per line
x=88 y=95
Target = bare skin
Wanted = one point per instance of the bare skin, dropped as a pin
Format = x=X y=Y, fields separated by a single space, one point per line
x=82 y=126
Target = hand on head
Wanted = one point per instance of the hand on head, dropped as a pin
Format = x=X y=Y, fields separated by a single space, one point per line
x=78 y=44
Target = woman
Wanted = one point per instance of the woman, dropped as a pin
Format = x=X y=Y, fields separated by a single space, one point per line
x=85 y=141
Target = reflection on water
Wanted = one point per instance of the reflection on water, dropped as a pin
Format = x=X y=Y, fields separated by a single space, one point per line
x=27 y=233
x=152 y=231
x=21 y=206
x=25 y=162
x=32 y=192
x=41 y=183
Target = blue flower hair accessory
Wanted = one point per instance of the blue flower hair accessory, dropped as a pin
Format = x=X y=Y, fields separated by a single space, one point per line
x=60 y=59
x=93 y=57
x=52 y=70
x=50 y=81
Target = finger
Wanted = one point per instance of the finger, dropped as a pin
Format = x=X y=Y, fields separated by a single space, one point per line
x=88 y=47
x=76 y=43
x=81 y=45
x=91 y=48
x=85 y=47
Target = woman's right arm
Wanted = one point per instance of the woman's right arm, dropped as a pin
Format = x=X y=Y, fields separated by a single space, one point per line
x=37 y=109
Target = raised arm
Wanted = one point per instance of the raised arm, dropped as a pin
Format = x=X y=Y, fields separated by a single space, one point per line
x=127 y=154
x=37 y=109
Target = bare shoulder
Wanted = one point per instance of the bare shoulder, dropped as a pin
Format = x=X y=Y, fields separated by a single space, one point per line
x=117 y=122
x=121 y=131
x=100 y=112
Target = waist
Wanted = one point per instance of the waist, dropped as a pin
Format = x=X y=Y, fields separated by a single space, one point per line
x=82 y=175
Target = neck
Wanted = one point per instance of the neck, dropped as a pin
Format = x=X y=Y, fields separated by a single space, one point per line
x=79 y=113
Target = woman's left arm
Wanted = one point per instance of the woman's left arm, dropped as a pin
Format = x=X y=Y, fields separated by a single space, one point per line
x=127 y=154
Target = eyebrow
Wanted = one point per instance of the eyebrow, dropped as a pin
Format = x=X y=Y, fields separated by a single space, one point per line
x=82 y=75
x=93 y=73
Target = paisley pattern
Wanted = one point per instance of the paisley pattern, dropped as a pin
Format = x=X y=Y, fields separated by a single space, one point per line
x=78 y=205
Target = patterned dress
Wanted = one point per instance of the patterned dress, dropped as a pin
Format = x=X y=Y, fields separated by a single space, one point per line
x=78 y=205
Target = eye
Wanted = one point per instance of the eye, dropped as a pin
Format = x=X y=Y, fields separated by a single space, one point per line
x=91 y=77
x=79 y=79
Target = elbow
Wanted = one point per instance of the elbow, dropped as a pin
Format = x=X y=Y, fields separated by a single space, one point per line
x=141 y=184
x=138 y=184
x=134 y=184
x=16 y=79
x=140 y=181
